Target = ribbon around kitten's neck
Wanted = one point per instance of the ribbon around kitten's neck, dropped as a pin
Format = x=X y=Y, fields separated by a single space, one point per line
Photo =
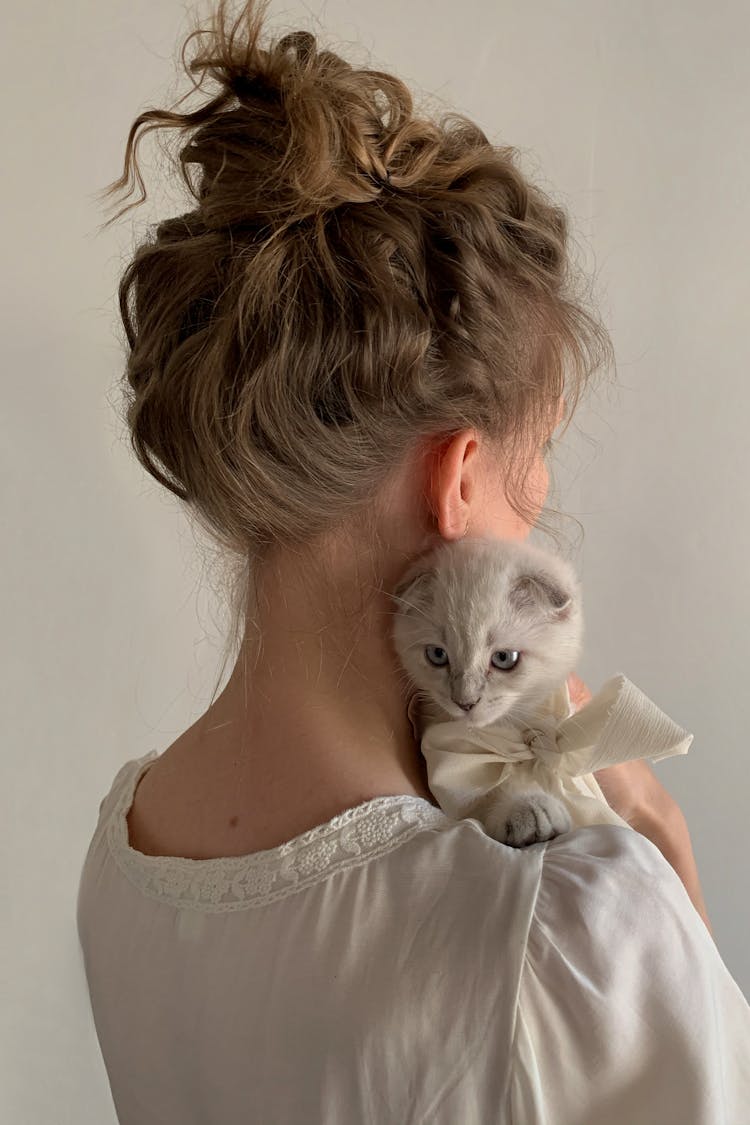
x=560 y=749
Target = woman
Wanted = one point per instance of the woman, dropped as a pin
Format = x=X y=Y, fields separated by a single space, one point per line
x=359 y=342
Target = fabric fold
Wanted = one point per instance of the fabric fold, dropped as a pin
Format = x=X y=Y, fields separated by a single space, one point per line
x=560 y=750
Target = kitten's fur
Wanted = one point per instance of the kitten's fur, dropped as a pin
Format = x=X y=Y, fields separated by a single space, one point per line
x=473 y=598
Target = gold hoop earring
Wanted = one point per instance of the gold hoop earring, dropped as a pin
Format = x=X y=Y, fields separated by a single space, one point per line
x=465 y=530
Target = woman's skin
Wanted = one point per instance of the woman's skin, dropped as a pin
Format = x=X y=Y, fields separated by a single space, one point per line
x=318 y=724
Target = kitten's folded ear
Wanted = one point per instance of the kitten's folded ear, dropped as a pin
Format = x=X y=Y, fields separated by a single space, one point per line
x=541 y=591
x=413 y=583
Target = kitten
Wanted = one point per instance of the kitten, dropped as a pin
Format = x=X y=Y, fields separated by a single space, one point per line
x=486 y=630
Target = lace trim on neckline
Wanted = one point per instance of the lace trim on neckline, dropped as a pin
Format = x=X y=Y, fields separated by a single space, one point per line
x=349 y=839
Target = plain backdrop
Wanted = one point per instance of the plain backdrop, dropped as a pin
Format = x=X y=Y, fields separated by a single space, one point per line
x=635 y=115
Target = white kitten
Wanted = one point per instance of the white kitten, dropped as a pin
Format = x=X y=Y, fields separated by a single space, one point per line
x=487 y=629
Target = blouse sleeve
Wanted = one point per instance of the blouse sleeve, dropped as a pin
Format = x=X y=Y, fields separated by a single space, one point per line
x=626 y=1013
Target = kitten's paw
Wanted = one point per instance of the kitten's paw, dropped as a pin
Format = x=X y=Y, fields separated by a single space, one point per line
x=532 y=819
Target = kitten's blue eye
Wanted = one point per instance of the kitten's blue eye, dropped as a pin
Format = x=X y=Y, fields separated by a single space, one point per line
x=505 y=659
x=436 y=655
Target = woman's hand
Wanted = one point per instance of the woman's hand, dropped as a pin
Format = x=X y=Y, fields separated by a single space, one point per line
x=634 y=791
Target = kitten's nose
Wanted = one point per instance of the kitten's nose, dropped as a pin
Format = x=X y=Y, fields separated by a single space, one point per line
x=467 y=706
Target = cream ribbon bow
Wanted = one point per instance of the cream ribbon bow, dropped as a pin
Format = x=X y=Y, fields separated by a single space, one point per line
x=561 y=750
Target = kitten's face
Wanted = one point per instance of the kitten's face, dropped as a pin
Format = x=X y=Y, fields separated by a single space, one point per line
x=495 y=625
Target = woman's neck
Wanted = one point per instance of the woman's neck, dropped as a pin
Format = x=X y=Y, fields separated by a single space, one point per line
x=317 y=710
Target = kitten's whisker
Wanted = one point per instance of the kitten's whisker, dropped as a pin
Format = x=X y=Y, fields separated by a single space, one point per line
x=411 y=605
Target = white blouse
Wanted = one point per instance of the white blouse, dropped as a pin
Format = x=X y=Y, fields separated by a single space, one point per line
x=395 y=966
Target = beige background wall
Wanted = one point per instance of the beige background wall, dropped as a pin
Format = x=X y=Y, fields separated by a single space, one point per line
x=635 y=114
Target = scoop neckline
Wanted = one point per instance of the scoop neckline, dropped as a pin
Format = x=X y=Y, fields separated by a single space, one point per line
x=221 y=883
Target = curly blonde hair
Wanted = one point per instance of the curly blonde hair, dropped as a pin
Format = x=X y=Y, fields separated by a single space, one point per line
x=351 y=278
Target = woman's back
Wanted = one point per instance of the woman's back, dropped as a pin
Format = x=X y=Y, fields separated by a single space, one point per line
x=201 y=801
x=354 y=345
x=394 y=965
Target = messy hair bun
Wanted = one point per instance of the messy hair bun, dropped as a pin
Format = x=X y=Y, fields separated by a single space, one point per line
x=352 y=277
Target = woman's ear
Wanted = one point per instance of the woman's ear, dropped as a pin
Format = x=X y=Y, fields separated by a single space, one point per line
x=451 y=483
